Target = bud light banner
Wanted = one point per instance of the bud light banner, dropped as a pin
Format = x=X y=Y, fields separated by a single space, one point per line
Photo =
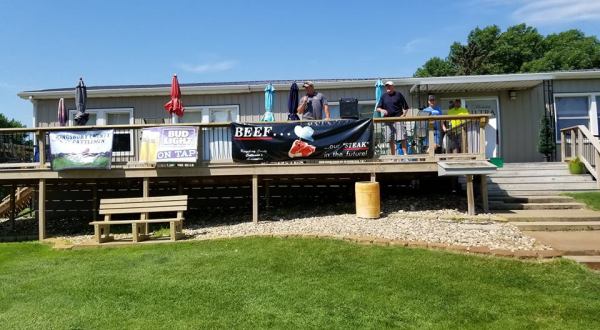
x=81 y=149
x=170 y=144
x=273 y=142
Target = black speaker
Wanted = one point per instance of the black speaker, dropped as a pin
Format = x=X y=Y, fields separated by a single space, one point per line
x=349 y=108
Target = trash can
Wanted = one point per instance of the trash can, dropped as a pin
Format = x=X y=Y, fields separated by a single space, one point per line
x=367 y=199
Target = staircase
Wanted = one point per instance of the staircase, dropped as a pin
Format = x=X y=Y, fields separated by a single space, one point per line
x=528 y=195
x=22 y=199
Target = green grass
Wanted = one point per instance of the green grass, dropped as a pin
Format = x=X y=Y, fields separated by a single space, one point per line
x=590 y=199
x=287 y=283
x=161 y=232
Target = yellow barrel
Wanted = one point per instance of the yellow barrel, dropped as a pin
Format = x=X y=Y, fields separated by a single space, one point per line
x=367 y=199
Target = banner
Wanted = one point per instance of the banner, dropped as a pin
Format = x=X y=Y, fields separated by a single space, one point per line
x=81 y=149
x=273 y=142
x=171 y=144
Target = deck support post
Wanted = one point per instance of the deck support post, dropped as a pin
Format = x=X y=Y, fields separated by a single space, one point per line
x=470 y=196
x=13 y=205
x=42 y=210
x=145 y=193
x=255 y=198
x=41 y=144
x=484 y=194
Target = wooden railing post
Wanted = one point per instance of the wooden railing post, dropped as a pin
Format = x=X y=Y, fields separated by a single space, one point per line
x=431 y=139
x=580 y=144
x=41 y=144
x=597 y=166
x=482 y=124
x=573 y=141
x=563 y=147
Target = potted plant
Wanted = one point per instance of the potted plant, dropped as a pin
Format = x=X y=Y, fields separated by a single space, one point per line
x=576 y=166
x=546 y=143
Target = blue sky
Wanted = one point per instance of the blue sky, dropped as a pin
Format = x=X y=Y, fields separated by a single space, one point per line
x=50 y=44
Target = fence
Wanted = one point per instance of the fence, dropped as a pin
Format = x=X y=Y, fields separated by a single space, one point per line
x=461 y=137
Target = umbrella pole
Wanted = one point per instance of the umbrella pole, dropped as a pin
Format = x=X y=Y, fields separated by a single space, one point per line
x=174 y=119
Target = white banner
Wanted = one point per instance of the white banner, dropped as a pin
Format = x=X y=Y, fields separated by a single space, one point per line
x=81 y=149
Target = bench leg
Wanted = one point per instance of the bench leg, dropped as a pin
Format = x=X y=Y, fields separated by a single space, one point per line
x=97 y=233
x=134 y=231
x=172 y=227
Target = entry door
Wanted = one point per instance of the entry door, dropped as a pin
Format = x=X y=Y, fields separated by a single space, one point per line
x=487 y=106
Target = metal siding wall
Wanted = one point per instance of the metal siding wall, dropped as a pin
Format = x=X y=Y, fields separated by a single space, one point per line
x=520 y=125
x=577 y=86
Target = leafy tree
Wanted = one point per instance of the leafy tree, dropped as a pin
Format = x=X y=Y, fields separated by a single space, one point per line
x=436 y=67
x=518 y=49
x=569 y=50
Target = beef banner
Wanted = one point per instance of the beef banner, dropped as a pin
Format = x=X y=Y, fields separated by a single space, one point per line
x=273 y=142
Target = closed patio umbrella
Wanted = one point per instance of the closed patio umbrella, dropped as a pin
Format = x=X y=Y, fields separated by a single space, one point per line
x=81 y=117
x=378 y=93
x=62 y=114
x=269 y=96
x=293 y=102
x=175 y=106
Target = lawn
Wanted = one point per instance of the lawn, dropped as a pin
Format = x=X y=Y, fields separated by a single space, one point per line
x=287 y=283
x=591 y=199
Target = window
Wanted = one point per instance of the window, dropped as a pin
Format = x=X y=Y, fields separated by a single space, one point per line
x=215 y=141
x=572 y=111
x=211 y=114
x=122 y=138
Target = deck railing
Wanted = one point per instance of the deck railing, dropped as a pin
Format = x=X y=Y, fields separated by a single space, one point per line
x=460 y=137
x=578 y=142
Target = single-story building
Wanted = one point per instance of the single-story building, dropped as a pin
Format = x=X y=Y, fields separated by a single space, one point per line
x=516 y=103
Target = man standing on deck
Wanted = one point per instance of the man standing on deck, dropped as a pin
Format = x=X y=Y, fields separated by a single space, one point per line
x=313 y=105
x=434 y=110
x=456 y=126
x=393 y=104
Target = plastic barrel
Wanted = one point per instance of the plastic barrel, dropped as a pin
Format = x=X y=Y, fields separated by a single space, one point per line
x=367 y=199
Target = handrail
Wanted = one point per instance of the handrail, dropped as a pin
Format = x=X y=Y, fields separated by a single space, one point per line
x=577 y=135
x=225 y=124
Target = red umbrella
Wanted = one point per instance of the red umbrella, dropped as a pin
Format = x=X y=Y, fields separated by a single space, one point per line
x=175 y=105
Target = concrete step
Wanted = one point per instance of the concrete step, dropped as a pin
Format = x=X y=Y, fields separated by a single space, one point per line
x=590 y=261
x=494 y=205
x=531 y=199
x=529 y=193
x=570 y=242
x=535 y=165
x=557 y=226
x=542 y=179
x=548 y=215
x=577 y=186
x=531 y=172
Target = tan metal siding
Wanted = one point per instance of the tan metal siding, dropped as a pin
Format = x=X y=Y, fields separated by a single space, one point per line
x=577 y=86
x=520 y=125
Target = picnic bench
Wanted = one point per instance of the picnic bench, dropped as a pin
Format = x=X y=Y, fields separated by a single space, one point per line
x=142 y=206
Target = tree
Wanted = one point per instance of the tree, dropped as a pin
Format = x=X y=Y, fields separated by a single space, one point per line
x=569 y=50
x=436 y=67
x=518 y=49
x=546 y=145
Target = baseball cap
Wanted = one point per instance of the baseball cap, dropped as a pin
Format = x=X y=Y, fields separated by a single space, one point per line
x=431 y=98
x=308 y=83
x=389 y=82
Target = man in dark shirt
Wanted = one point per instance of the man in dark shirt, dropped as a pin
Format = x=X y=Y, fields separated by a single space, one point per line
x=393 y=104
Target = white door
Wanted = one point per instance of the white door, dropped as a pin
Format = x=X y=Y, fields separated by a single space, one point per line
x=487 y=106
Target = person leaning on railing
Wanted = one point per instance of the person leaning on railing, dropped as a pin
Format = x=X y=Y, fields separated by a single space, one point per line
x=434 y=110
x=455 y=131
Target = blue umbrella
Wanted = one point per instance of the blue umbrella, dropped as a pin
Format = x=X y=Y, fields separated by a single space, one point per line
x=378 y=93
x=293 y=103
x=269 y=95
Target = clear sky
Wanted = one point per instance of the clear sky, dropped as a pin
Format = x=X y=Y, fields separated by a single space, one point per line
x=50 y=44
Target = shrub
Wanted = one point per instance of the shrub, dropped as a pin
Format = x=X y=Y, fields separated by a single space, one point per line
x=576 y=166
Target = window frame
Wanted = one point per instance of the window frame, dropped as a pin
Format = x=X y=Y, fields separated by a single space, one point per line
x=101 y=120
x=205 y=110
x=592 y=116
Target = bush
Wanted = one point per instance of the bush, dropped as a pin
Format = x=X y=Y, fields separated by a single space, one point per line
x=576 y=166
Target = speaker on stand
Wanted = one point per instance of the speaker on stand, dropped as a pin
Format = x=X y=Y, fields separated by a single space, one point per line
x=349 y=108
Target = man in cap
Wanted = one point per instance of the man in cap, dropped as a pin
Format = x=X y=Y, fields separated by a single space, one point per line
x=434 y=110
x=393 y=104
x=313 y=105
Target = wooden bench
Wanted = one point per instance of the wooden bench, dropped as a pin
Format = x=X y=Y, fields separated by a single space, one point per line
x=142 y=206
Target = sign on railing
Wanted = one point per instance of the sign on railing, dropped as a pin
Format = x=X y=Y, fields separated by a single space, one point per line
x=272 y=142
x=84 y=149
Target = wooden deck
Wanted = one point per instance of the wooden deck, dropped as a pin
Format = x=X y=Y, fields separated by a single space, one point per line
x=215 y=159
